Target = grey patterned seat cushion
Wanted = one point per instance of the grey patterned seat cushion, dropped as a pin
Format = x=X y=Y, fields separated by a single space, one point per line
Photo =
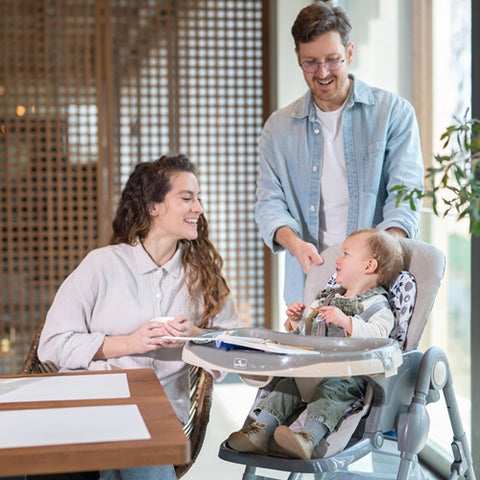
x=403 y=293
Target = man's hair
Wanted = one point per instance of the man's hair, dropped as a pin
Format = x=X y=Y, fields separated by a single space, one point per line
x=387 y=250
x=320 y=18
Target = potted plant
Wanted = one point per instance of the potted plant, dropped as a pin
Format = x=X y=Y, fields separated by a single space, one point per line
x=452 y=183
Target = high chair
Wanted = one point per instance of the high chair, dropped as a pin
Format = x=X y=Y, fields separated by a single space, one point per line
x=401 y=381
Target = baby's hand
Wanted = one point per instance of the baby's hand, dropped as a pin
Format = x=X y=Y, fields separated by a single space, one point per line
x=337 y=317
x=294 y=315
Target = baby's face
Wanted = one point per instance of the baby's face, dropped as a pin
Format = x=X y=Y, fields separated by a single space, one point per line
x=353 y=261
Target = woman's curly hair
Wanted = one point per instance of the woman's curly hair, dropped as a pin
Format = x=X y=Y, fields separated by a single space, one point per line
x=149 y=183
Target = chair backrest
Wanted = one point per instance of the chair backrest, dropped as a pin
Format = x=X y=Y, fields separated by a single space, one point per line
x=32 y=363
x=426 y=264
x=201 y=389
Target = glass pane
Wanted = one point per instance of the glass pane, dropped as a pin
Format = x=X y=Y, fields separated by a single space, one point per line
x=449 y=325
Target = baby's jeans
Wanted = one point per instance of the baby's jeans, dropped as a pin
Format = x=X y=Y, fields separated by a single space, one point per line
x=330 y=400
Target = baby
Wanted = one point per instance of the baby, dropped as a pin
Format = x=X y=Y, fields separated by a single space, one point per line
x=370 y=258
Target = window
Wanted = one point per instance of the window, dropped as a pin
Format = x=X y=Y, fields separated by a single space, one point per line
x=449 y=327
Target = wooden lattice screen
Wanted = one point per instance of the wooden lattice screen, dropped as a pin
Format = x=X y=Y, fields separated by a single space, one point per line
x=88 y=88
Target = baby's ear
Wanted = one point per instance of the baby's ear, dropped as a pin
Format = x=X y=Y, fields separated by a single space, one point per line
x=371 y=266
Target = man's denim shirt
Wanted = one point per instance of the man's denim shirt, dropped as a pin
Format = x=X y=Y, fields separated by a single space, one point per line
x=382 y=149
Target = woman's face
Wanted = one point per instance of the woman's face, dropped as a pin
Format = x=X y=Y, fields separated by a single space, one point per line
x=176 y=217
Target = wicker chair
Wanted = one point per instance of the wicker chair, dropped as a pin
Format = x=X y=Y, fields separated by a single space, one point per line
x=201 y=384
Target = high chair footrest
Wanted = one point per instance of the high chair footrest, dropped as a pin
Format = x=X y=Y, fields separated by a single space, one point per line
x=314 y=465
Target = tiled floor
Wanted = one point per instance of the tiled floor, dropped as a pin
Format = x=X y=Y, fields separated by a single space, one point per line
x=231 y=402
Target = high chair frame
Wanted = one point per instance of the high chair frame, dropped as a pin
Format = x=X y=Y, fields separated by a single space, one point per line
x=397 y=411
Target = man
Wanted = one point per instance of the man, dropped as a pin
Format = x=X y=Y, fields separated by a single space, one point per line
x=329 y=159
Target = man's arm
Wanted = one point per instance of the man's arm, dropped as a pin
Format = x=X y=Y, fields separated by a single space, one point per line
x=404 y=166
x=397 y=231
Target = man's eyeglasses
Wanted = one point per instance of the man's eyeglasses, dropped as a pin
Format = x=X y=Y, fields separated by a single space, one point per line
x=331 y=64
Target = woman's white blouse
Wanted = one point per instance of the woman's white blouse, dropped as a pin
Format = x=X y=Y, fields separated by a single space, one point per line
x=113 y=291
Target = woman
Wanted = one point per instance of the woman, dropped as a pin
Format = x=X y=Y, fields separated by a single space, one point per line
x=160 y=262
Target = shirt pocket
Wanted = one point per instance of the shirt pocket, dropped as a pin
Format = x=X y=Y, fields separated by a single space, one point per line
x=371 y=172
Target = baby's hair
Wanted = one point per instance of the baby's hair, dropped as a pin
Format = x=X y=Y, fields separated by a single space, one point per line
x=387 y=250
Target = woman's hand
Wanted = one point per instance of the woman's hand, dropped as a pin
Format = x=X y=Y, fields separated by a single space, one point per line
x=153 y=334
x=148 y=337
x=145 y=338
x=139 y=341
x=179 y=326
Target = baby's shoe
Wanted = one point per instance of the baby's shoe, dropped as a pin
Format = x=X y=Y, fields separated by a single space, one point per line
x=275 y=449
x=253 y=438
x=294 y=444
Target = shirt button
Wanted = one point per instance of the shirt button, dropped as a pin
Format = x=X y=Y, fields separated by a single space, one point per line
x=312 y=208
x=315 y=168
x=316 y=131
x=157 y=295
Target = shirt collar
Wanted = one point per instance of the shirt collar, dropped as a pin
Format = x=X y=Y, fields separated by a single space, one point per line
x=361 y=93
x=145 y=264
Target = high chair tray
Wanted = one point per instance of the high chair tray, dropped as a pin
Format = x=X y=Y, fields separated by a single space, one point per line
x=303 y=356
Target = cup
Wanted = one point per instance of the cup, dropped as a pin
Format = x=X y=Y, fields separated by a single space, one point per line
x=162 y=319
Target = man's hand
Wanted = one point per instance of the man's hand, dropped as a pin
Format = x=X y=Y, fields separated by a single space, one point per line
x=306 y=253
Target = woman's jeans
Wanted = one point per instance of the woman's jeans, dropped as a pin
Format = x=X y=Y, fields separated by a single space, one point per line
x=163 y=472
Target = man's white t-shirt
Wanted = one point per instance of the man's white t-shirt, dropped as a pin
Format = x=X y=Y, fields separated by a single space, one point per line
x=334 y=197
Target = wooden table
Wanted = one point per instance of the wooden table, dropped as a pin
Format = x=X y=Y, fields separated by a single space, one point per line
x=167 y=445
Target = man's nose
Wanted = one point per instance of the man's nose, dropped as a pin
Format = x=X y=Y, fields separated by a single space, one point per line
x=323 y=69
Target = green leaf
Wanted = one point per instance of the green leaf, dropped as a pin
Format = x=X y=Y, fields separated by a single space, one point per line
x=453 y=181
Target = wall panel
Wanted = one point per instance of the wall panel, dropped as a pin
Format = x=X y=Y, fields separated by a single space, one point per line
x=90 y=88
